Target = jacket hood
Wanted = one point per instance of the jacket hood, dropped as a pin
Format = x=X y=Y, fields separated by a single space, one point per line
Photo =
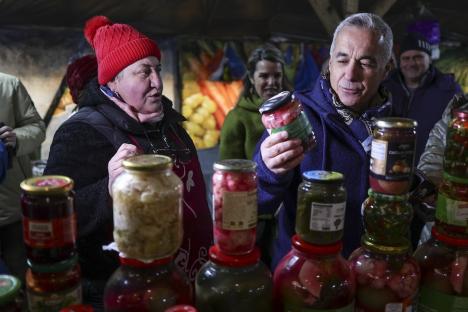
x=250 y=104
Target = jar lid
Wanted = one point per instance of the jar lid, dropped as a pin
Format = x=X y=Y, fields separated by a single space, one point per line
x=218 y=257
x=275 y=102
x=449 y=240
x=387 y=197
x=383 y=249
x=56 y=267
x=9 y=288
x=141 y=264
x=78 y=308
x=322 y=176
x=396 y=122
x=314 y=249
x=47 y=185
x=455 y=179
x=181 y=308
x=241 y=165
x=461 y=112
x=147 y=162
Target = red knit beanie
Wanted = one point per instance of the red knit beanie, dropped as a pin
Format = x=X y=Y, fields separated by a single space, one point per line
x=117 y=46
x=79 y=73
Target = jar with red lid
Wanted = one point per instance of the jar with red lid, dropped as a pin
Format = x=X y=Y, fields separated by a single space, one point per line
x=444 y=274
x=49 y=220
x=387 y=218
x=235 y=205
x=313 y=278
x=392 y=155
x=452 y=207
x=182 y=308
x=387 y=278
x=232 y=283
x=10 y=294
x=153 y=286
x=50 y=287
x=283 y=112
x=456 y=150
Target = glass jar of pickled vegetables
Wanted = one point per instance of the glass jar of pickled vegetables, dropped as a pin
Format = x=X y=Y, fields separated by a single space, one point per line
x=283 y=112
x=444 y=273
x=146 y=286
x=233 y=283
x=147 y=203
x=452 y=207
x=313 y=278
x=235 y=205
x=387 y=218
x=387 y=278
x=321 y=206
x=392 y=155
x=78 y=308
x=49 y=220
x=10 y=294
x=456 y=150
x=50 y=287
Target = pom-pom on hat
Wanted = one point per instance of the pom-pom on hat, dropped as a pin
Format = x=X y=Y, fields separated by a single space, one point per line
x=415 y=41
x=79 y=73
x=117 y=46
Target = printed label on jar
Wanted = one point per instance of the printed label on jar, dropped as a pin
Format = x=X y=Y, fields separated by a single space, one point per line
x=327 y=217
x=299 y=128
x=39 y=302
x=391 y=161
x=451 y=211
x=431 y=300
x=239 y=210
x=290 y=307
x=49 y=234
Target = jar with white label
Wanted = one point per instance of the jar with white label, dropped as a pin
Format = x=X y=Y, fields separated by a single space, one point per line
x=235 y=205
x=321 y=205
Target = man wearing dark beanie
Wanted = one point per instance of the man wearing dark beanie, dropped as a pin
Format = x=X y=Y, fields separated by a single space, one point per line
x=420 y=92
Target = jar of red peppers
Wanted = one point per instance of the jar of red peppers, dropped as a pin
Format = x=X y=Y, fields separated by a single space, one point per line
x=49 y=220
x=10 y=294
x=321 y=206
x=313 y=278
x=452 y=207
x=444 y=274
x=392 y=155
x=456 y=150
x=146 y=287
x=231 y=283
x=50 y=287
x=283 y=112
x=387 y=278
x=235 y=205
x=387 y=218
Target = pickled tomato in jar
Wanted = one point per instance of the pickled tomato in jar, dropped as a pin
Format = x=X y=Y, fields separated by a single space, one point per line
x=235 y=206
x=284 y=113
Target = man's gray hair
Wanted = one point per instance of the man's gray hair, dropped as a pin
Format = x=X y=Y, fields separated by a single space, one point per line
x=374 y=23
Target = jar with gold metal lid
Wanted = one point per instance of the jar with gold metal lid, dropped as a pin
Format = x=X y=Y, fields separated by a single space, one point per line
x=147 y=204
x=392 y=155
x=49 y=220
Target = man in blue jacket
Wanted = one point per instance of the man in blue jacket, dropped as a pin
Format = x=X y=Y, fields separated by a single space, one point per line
x=419 y=90
x=340 y=108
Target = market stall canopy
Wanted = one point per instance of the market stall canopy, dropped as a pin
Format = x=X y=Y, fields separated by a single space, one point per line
x=312 y=19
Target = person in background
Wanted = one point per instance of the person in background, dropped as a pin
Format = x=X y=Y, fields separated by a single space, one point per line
x=79 y=73
x=419 y=90
x=22 y=131
x=340 y=108
x=243 y=127
x=123 y=113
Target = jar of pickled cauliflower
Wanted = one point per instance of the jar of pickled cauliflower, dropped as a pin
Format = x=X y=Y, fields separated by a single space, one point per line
x=235 y=206
x=147 y=203
x=444 y=274
x=283 y=112
x=387 y=278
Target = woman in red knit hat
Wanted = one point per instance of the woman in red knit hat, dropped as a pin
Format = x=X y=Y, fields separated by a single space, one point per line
x=121 y=114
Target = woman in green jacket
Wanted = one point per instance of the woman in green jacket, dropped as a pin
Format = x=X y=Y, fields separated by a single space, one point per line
x=243 y=127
